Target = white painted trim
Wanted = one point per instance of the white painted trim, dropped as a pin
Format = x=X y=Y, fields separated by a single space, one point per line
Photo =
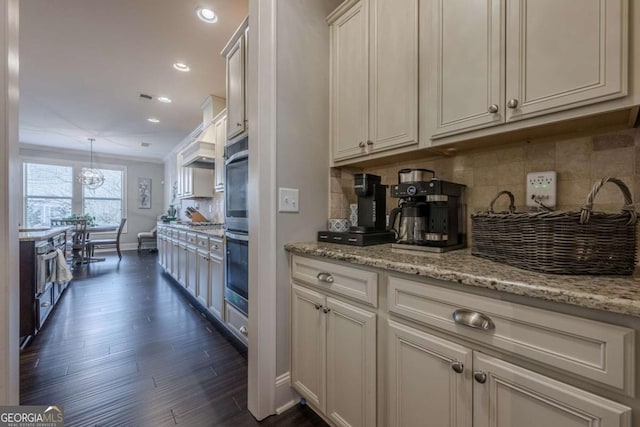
x=9 y=209
x=261 y=95
x=286 y=397
x=105 y=156
x=123 y=247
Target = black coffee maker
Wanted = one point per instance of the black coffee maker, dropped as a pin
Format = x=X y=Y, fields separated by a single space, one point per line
x=372 y=207
x=431 y=212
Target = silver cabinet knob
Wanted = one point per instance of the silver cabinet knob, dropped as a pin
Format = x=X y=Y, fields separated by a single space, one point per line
x=325 y=277
x=457 y=366
x=326 y=310
x=244 y=331
x=369 y=142
x=238 y=124
x=493 y=108
x=513 y=103
x=473 y=319
x=317 y=306
x=480 y=376
x=361 y=144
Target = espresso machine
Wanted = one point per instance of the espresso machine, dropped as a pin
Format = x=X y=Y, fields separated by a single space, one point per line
x=372 y=208
x=430 y=215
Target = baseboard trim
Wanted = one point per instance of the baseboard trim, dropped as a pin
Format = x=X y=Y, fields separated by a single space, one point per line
x=286 y=397
x=123 y=247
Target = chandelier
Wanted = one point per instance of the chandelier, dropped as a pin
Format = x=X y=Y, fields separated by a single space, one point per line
x=91 y=178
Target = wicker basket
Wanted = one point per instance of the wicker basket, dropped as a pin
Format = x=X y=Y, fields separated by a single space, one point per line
x=583 y=242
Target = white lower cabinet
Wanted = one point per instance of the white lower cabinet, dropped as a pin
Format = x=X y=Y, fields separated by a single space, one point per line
x=216 y=286
x=429 y=380
x=334 y=357
x=192 y=270
x=436 y=382
x=202 y=288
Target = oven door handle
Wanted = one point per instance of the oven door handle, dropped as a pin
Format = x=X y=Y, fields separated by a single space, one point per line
x=239 y=155
x=235 y=236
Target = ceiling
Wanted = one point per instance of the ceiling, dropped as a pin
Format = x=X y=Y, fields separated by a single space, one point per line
x=83 y=64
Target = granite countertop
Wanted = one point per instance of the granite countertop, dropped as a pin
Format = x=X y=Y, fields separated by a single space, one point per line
x=616 y=294
x=215 y=230
x=31 y=236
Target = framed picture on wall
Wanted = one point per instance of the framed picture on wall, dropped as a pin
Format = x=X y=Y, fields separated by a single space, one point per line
x=144 y=193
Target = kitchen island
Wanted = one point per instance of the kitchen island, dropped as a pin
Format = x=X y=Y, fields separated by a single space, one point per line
x=377 y=333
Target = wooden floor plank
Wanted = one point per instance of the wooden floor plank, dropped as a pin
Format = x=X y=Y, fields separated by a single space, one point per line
x=125 y=347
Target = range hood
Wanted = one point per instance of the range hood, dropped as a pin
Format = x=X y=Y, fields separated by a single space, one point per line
x=201 y=153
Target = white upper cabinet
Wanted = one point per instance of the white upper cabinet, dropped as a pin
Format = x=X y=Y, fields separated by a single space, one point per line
x=498 y=61
x=563 y=54
x=235 y=54
x=220 y=124
x=374 y=76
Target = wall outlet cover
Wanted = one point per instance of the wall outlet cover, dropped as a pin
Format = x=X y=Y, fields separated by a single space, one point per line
x=542 y=187
x=288 y=200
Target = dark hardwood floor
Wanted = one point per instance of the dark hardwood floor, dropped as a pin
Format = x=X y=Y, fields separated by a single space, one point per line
x=125 y=347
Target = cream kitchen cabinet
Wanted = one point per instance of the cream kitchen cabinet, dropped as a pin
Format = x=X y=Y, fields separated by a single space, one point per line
x=374 y=76
x=474 y=389
x=216 y=278
x=202 y=288
x=235 y=53
x=220 y=124
x=498 y=61
x=333 y=360
x=193 y=182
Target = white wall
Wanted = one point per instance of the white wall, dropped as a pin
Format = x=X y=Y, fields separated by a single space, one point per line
x=137 y=219
x=302 y=137
x=9 y=193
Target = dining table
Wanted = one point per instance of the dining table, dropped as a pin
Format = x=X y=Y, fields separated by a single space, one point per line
x=93 y=229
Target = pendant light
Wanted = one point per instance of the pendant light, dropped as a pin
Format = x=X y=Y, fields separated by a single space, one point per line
x=91 y=178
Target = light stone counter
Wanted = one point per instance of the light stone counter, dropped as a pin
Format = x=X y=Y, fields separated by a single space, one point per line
x=37 y=235
x=616 y=294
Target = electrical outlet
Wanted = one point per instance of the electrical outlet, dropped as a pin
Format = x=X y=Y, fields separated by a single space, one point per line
x=288 y=200
x=542 y=186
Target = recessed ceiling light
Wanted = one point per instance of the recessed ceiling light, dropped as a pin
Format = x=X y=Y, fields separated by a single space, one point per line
x=164 y=99
x=181 y=67
x=145 y=144
x=207 y=15
x=153 y=120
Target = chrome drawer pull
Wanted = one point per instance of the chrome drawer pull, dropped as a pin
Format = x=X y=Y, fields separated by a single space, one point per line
x=473 y=319
x=317 y=306
x=45 y=304
x=325 y=277
x=244 y=331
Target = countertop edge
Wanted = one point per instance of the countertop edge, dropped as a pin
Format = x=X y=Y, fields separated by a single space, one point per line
x=577 y=298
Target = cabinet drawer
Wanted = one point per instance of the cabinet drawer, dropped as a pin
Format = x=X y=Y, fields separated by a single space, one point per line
x=216 y=247
x=237 y=323
x=361 y=285
x=191 y=238
x=202 y=242
x=595 y=350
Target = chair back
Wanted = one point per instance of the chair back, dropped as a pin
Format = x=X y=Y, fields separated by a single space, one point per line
x=79 y=231
x=122 y=221
x=58 y=222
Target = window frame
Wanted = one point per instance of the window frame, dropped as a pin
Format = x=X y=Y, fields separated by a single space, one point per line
x=25 y=197
x=77 y=200
x=123 y=199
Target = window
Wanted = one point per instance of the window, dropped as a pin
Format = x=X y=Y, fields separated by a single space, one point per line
x=52 y=191
x=105 y=203
x=48 y=193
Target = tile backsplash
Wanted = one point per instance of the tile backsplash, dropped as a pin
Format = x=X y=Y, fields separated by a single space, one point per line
x=212 y=209
x=579 y=162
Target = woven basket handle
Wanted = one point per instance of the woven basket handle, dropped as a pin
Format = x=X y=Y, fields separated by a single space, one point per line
x=512 y=201
x=587 y=208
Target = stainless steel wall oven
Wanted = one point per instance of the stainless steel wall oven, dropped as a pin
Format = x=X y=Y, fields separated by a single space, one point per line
x=236 y=290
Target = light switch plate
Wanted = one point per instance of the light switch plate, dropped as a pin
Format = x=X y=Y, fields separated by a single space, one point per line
x=288 y=200
x=542 y=186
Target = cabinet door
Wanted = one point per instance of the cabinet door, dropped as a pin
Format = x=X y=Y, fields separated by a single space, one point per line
x=192 y=270
x=308 y=345
x=563 y=54
x=424 y=389
x=161 y=250
x=176 y=252
x=393 y=89
x=466 y=68
x=221 y=133
x=181 y=269
x=351 y=365
x=216 y=286
x=179 y=177
x=514 y=396
x=236 y=89
x=350 y=82
x=202 y=287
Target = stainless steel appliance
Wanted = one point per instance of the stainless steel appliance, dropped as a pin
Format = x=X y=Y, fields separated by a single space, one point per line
x=236 y=290
x=431 y=212
x=236 y=182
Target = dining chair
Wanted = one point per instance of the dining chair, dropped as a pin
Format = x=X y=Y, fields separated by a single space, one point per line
x=109 y=242
x=149 y=236
x=79 y=242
